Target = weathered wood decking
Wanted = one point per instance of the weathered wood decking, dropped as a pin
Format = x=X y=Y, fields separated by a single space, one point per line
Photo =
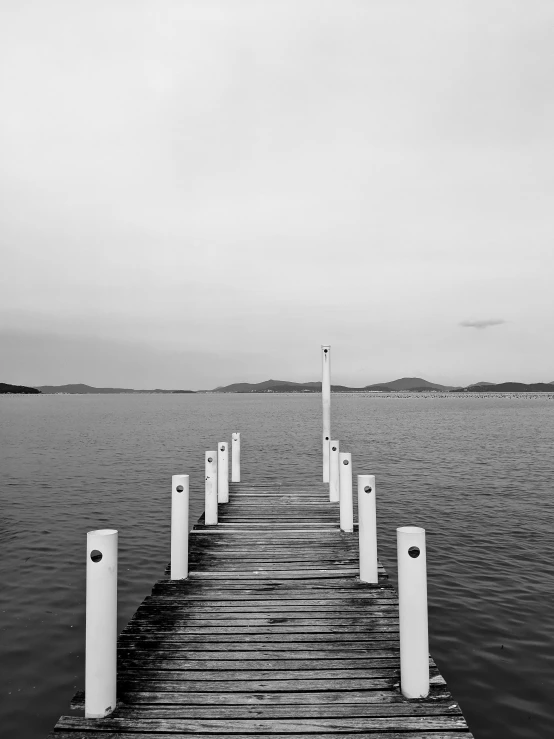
x=272 y=635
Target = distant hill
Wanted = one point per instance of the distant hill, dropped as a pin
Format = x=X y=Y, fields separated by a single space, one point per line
x=280 y=386
x=411 y=383
x=81 y=389
x=18 y=389
x=509 y=387
x=478 y=385
x=269 y=385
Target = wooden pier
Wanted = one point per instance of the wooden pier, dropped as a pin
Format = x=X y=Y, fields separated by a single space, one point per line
x=272 y=635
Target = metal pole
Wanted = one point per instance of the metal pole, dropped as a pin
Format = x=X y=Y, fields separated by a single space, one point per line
x=326 y=399
x=412 y=598
x=367 y=528
x=101 y=623
x=235 y=457
x=210 y=504
x=345 y=492
x=179 y=527
x=334 y=487
x=222 y=472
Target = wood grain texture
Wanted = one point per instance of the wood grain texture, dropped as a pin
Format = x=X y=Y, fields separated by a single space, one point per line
x=272 y=635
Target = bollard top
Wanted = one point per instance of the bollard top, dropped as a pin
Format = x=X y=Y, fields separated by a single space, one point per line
x=102 y=532
x=410 y=530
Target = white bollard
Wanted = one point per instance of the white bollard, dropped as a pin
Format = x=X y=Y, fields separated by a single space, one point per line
x=326 y=400
x=179 y=527
x=235 y=457
x=345 y=492
x=334 y=486
x=210 y=503
x=222 y=472
x=367 y=528
x=412 y=597
x=101 y=623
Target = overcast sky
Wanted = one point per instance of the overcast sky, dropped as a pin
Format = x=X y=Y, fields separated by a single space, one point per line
x=198 y=192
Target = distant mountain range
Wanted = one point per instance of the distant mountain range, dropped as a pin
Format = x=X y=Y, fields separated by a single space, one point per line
x=404 y=384
x=89 y=390
x=413 y=384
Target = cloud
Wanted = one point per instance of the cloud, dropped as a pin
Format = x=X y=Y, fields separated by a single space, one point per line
x=483 y=324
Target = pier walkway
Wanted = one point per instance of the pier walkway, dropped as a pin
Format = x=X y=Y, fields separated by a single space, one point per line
x=272 y=635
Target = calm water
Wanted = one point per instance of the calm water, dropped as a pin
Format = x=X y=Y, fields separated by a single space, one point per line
x=477 y=473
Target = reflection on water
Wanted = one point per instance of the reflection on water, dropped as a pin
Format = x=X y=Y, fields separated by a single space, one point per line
x=475 y=472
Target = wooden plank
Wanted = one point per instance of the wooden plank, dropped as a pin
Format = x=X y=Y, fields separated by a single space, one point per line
x=266 y=535
x=290 y=712
x=297 y=546
x=148 y=671
x=249 y=637
x=191 y=613
x=260 y=629
x=141 y=682
x=186 y=614
x=167 y=661
x=191 y=643
x=188 y=684
x=79 y=734
x=233 y=563
x=204 y=698
x=271 y=585
x=198 y=591
x=252 y=536
x=255 y=726
x=346 y=584
x=281 y=656
x=271 y=575
x=367 y=620
x=296 y=555
x=236 y=602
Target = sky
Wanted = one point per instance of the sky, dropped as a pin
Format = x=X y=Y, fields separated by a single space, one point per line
x=202 y=192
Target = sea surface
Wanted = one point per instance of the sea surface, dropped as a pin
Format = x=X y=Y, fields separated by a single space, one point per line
x=477 y=472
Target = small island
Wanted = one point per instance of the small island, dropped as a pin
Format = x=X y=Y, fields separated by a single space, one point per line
x=18 y=389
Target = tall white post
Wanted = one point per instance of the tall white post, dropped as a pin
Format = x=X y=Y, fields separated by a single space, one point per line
x=367 y=528
x=101 y=623
x=334 y=486
x=210 y=503
x=412 y=597
x=345 y=492
x=326 y=399
x=235 y=457
x=179 y=527
x=222 y=472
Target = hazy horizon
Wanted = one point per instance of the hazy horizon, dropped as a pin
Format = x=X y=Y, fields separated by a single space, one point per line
x=199 y=193
x=209 y=389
